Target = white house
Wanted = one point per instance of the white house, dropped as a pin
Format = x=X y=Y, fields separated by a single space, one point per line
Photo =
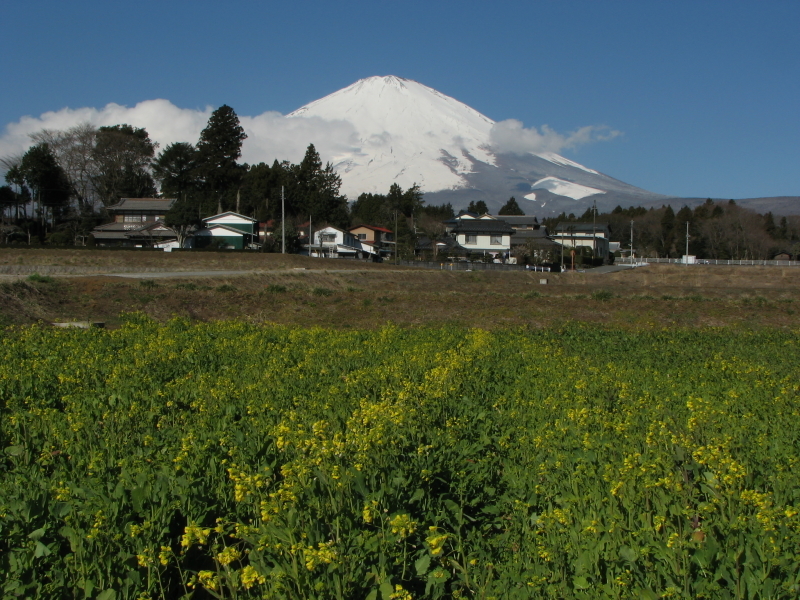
x=332 y=242
x=574 y=235
x=228 y=229
x=482 y=234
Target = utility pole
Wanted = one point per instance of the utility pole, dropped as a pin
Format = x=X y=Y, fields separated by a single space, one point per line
x=594 y=231
x=687 y=242
x=631 y=241
x=283 y=224
x=395 y=237
x=310 y=236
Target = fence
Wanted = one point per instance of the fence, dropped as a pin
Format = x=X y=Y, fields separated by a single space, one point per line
x=711 y=261
x=464 y=266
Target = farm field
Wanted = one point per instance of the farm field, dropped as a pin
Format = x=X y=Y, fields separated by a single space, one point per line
x=233 y=459
x=66 y=285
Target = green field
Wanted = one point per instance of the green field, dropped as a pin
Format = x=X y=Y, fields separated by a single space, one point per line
x=235 y=460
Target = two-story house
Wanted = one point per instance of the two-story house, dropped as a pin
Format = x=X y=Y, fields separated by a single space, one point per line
x=485 y=234
x=136 y=222
x=379 y=238
x=332 y=242
x=591 y=235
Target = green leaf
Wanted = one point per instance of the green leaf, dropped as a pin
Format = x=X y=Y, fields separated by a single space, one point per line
x=41 y=550
x=108 y=594
x=14 y=450
x=37 y=535
x=373 y=595
x=628 y=554
x=422 y=564
x=581 y=583
x=386 y=590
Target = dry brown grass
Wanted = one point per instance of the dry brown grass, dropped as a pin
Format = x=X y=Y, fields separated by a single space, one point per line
x=351 y=294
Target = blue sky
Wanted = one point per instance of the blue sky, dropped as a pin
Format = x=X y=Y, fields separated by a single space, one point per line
x=706 y=93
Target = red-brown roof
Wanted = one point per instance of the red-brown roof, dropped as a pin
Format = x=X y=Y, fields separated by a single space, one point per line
x=383 y=229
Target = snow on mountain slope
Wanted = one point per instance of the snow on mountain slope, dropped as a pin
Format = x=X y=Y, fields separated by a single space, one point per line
x=400 y=131
x=560 y=160
x=563 y=188
x=406 y=133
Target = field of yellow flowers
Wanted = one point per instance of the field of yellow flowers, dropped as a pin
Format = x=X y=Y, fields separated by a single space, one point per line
x=227 y=460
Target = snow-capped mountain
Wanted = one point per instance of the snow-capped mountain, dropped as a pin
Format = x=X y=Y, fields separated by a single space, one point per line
x=406 y=133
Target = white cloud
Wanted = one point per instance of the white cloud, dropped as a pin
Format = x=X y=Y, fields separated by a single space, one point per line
x=270 y=135
x=513 y=137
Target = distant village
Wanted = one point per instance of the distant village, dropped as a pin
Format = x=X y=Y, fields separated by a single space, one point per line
x=105 y=187
x=497 y=239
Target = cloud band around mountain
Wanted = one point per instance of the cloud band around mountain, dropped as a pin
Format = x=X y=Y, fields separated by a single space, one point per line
x=511 y=136
x=272 y=135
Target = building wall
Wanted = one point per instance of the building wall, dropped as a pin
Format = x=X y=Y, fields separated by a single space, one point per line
x=483 y=242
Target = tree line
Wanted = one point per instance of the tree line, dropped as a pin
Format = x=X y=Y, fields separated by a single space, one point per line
x=59 y=189
x=717 y=230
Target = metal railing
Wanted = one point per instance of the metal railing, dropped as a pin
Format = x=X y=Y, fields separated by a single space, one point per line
x=710 y=261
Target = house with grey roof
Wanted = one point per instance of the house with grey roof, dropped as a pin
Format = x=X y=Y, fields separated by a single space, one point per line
x=481 y=234
x=587 y=235
x=137 y=222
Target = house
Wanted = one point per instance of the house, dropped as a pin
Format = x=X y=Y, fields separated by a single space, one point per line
x=332 y=242
x=137 y=222
x=379 y=238
x=591 y=235
x=227 y=230
x=445 y=246
x=782 y=256
x=480 y=234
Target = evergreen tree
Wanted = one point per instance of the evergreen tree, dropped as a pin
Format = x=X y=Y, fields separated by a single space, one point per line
x=667 y=237
x=370 y=209
x=175 y=170
x=511 y=208
x=478 y=207
x=316 y=192
x=442 y=213
x=183 y=219
x=261 y=190
x=769 y=224
x=47 y=180
x=219 y=148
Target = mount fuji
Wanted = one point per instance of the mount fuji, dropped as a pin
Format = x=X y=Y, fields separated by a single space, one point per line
x=404 y=132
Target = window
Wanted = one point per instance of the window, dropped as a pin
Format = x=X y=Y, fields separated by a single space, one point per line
x=133 y=218
x=496 y=240
x=471 y=239
x=362 y=236
x=328 y=237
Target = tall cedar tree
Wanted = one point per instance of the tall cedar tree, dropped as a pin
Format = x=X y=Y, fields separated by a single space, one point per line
x=511 y=208
x=175 y=170
x=317 y=191
x=122 y=156
x=219 y=148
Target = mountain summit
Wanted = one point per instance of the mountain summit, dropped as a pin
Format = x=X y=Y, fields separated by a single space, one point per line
x=405 y=132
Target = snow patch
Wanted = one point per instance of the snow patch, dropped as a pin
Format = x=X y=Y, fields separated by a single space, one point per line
x=560 y=160
x=563 y=188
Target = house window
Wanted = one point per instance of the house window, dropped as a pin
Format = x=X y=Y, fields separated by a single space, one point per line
x=362 y=236
x=471 y=239
x=496 y=240
x=133 y=218
x=328 y=237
